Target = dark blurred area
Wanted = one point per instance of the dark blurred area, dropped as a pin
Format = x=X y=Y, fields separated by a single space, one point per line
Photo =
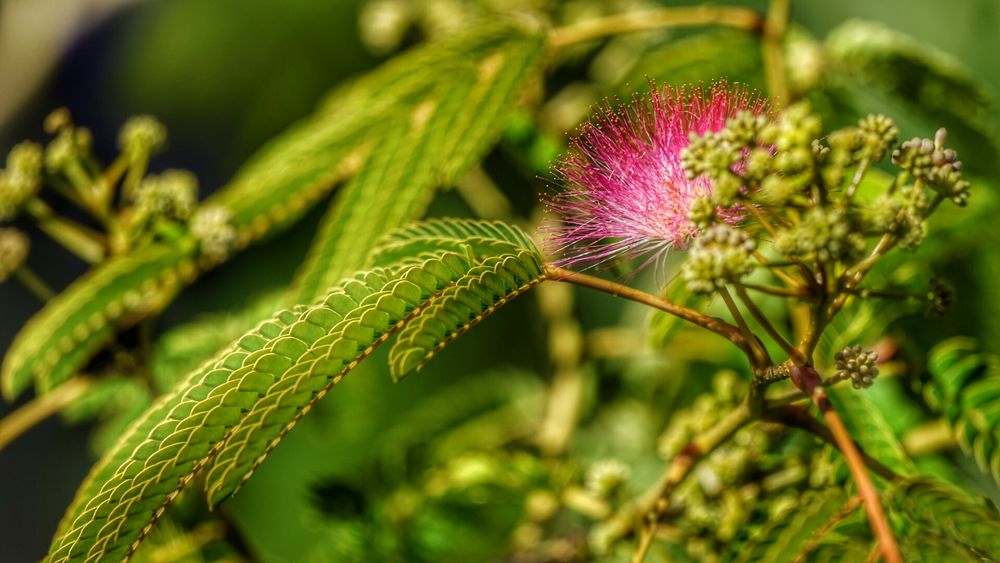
x=225 y=76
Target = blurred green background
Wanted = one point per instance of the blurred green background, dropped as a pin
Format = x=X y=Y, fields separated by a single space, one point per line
x=225 y=76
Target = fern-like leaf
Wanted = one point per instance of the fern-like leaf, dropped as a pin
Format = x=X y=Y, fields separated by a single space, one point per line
x=943 y=515
x=482 y=237
x=965 y=389
x=487 y=288
x=781 y=539
x=58 y=340
x=266 y=381
x=453 y=111
x=867 y=425
x=230 y=413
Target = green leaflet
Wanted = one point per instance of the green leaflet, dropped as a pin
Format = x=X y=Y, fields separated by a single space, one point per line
x=59 y=339
x=965 y=389
x=487 y=288
x=228 y=414
x=782 y=539
x=437 y=131
x=933 y=84
x=457 y=235
x=270 y=377
x=922 y=507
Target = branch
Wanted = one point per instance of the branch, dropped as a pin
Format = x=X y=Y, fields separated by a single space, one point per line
x=713 y=324
x=808 y=380
x=654 y=505
x=774 y=58
x=38 y=409
x=726 y=16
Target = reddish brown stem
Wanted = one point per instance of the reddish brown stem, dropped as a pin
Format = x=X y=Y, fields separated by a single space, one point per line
x=809 y=381
x=713 y=324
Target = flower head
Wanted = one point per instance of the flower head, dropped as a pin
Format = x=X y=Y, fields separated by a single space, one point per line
x=627 y=194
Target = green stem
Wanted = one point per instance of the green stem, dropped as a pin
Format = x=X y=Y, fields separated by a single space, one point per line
x=85 y=243
x=656 y=501
x=793 y=353
x=760 y=357
x=713 y=324
x=33 y=283
x=774 y=58
x=631 y=22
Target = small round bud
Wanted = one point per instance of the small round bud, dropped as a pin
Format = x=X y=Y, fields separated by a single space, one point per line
x=171 y=195
x=709 y=154
x=61 y=151
x=880 y=133
x=14 y=247
x=141 y=135
x=857 y=365
x=702 y=213
x=720 y=255
x=22 y=178
x=606 y=476
x=940 y=298
x=58 y=120
x=881 y=215
x=212 y=226
x=823 y=234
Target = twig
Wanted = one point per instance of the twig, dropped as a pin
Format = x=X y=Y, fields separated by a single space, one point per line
x=809 y=381
x=656 y=504
x=38 y=409
x=843 y=512
x=774 y=59
x=760 y=356
x=713 y=324
x=726 y=16
x=793 y=353
x=88 y=245
x=30 y=280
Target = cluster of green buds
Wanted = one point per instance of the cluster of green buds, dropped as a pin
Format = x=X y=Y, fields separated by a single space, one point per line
x=132 y=206
x=811 y=213
x=855 y=364
x=21 y=179
x=14 y=246
x=606 y=477
x=212 y=227
x=170 y=195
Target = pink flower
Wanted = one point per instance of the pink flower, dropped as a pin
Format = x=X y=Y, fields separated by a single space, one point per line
x=626 y=194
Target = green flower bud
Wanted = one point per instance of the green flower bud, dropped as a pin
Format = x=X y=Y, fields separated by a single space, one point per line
x=14 y=247
x=607 y=476
x=758 y=165
x=937 y=166
x=710 y=155
x=881 y=215
x=822 y=235
x=61 y=151
x=171 y=195
x=22 y=178
x=857 y=365
x=720 y=255
x=778 y=190
x=141 y=135
x=726 y=189
x=797 y=126
x=880 y=134
x=940 y=298
x=742 y=129
x=702 y=213
x=212 y=226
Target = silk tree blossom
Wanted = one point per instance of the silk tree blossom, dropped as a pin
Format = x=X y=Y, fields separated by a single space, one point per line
x=626 y=194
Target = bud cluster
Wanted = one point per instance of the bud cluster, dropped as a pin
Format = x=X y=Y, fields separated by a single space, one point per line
x=720 y=255
x=857 y=365
x=212 y=227
x=21 y=179
x=171 y=195
x=14 y=246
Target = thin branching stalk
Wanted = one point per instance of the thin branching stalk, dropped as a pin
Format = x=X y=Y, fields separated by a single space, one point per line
x=85 y=243
x=774 y=59
x=38 y=409
x=695 y=16
x=713 y=324
x=30 y=280
x=760 y=356
x=654 y=506
x=793 y=353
